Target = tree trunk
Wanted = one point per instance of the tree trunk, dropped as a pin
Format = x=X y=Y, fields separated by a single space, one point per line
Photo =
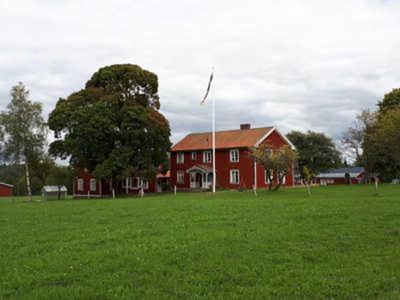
x=280 y=178
x=308 y=188
x=28 y=181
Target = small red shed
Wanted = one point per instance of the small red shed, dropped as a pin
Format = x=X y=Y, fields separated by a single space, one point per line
x=5 y=189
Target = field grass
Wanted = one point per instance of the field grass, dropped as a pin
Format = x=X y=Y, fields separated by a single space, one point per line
x=342 y=242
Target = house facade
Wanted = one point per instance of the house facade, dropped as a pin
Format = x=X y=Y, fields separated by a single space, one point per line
x=86 y=185
x=191 y=159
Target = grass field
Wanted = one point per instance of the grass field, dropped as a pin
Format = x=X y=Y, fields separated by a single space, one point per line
x=343 y=242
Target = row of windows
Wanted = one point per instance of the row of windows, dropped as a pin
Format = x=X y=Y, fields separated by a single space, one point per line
x=207 y=156
x=135 y=182
x=234 y=177
x=92 y=184
x=130 y=182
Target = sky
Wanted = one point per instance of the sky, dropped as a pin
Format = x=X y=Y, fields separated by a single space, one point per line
x=297 y=65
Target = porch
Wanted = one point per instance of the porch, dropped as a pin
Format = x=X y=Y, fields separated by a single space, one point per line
x=201 y=176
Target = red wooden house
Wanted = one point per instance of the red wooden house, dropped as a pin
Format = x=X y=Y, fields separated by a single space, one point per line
x=191 y=159
x=5 y=189
x=86 y=185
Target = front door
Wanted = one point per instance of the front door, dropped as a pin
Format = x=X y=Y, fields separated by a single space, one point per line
x=192 y=180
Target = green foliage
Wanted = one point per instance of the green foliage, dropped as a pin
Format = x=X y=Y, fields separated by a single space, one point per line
x=342 y=243
x=23 y=130
x=390 y=101
x=308 y=175
x=382 y=145
x=353 y=138
x=277 y=162
x=113 y=127
x=316 y=151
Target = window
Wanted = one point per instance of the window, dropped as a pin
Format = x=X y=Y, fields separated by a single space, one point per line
x=92 y=185
x=145 y=184
x=180 y=177
x=267 y=181
x=125 y=183
x=234 y=178
x=180 y=157
x=283 y=178
x=133 y=182
x=207 y=156
x=194 y=155
x=234 y=155
x=80 y=184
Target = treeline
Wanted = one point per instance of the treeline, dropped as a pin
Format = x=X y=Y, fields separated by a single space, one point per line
x=43 y=172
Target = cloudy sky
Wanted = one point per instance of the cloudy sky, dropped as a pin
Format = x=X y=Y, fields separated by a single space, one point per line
x=301 y=65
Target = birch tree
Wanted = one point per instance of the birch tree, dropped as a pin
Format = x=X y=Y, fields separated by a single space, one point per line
x=23 y=131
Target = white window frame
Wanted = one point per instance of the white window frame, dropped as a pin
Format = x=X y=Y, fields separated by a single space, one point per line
x=194 y=155
x=145 y=184
x=234 y=155
x=80 y=184
x=180 y=177
x=133 y=180
x=207 y=156
x=180 y=157
x=232 y=177
x=267 y=181
x=93 y=184
x=124 y=182
x=284 y=179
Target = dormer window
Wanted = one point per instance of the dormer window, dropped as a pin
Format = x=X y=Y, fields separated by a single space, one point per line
x=234 y=155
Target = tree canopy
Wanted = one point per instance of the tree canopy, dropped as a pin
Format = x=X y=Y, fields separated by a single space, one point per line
x=382 y=145
x=390 y=101
x=113 y=126
x=316 y=151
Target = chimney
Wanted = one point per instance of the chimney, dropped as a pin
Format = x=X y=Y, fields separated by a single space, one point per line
x=244 y=126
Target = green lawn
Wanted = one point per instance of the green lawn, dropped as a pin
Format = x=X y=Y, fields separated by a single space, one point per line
x=342 y=242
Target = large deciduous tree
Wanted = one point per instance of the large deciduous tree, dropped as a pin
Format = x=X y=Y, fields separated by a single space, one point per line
x=113 y=126
x=390 y=101
x=316 y=151
x=382 y=145
x=277 y=162
x=23 y=131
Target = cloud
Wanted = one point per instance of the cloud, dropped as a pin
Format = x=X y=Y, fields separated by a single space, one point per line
x=294 y=64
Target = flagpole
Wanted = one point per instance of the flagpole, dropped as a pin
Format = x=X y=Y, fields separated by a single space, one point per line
x=213 y=143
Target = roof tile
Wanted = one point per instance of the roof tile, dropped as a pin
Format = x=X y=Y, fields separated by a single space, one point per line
x=224 y=139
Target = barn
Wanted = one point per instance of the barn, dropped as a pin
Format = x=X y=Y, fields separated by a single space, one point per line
x=6 y=189
x=349 y=175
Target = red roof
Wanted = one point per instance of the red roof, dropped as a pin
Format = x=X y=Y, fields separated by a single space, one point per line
x=241 y=138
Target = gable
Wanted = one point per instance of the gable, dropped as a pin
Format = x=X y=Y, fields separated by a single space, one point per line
x=276 y=139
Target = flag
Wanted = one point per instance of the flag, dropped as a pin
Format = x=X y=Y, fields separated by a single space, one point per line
x=208 y=89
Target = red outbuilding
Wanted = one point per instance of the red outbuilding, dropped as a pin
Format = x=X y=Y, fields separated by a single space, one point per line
x=349 y=175
x=191 y=159
x=86 y=185
x=6 y=189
